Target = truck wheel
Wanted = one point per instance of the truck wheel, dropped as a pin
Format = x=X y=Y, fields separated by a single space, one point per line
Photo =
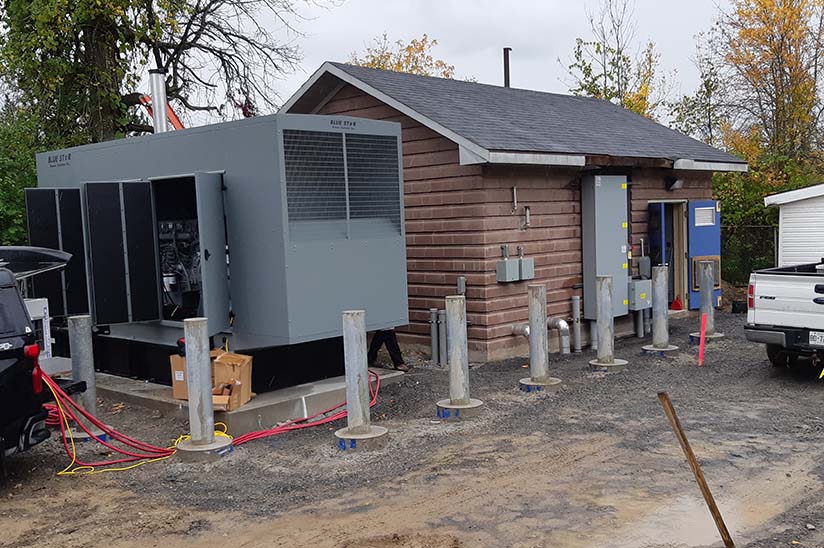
x=777 y=356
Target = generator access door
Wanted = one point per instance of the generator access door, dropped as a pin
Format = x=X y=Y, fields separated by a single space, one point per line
x=213 y=259
x=55 y=221
x=123 y=259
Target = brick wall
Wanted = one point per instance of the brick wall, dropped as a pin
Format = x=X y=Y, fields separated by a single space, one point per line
x=457 y=217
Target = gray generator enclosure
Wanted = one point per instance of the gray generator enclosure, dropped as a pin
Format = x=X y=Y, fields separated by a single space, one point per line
x=270 y=227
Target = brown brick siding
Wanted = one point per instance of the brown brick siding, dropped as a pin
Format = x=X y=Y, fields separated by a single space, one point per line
x=457 y=217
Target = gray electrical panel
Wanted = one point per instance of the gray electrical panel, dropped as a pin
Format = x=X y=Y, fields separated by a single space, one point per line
x=270 y=227
x=640 y=294
x=605 y=237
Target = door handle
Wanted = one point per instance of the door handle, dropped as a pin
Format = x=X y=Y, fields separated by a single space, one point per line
x=819 y=288
x=206 y=254
x=819 y=300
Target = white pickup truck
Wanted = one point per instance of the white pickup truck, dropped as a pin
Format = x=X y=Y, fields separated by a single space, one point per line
x=785 y=310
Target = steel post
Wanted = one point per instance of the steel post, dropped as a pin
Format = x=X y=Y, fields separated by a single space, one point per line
x=359 y=432
x=203 y=444
x=199 y=381
x=433 y=336
x=458 y=350
x=357 y=372
x=605 y=326
x=576 y=323
x=80 y=346
x=706 y=281
x=443 y=349
x=660 y=311
x=538 y=334
x=593 y=335
x=707 y=284
x=639 y=324
x=459 y=403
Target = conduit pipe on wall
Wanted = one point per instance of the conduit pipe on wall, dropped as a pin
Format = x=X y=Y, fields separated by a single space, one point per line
x=552 y=323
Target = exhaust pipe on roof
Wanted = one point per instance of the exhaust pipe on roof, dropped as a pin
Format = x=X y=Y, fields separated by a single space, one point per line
x=506 y=66
x=157 y=87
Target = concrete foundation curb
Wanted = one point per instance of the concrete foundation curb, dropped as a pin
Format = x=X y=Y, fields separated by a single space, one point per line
x=188 y=451
x=615 y=366
x=529 y=384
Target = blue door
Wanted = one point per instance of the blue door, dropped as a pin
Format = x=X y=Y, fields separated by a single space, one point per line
x=704 y=244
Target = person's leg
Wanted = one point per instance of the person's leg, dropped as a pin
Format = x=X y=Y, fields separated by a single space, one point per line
x=374 y=347
x=395 y=350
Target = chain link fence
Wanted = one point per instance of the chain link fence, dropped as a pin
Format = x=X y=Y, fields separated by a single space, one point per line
x=745 y=249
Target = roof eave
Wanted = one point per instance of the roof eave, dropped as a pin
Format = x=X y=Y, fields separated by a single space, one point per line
x=697 y=165
x=344 y=76
x=468 y=157
x=797 y=195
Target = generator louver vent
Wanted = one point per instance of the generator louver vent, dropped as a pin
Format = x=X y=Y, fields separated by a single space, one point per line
x=321 y=166
x=374 y=198
x=315 y=184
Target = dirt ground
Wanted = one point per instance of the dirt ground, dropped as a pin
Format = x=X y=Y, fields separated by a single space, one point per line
x=594 y=464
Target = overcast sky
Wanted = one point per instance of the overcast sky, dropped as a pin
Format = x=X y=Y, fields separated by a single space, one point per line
x=471 y=34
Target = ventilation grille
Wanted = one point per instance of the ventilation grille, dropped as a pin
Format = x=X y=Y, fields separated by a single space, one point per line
x=318 y=173
x=315 y=184
x=374 y=194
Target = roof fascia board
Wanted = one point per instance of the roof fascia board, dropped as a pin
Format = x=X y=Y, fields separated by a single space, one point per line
x=531 y=158
x=386 y=99
x=467 y=157
x=695 y=165
x=794 y=195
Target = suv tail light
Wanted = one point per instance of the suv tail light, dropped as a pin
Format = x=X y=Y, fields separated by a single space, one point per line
x=751 y=296
x=32 y=351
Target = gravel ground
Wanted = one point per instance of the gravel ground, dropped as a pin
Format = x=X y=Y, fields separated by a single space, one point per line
x=742 y=415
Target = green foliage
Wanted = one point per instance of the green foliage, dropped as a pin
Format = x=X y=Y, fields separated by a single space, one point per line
x=18 y=141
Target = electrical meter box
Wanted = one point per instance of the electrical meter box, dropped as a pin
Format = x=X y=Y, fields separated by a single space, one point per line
x=605 y=236
x=508 y=270
x=640 y=294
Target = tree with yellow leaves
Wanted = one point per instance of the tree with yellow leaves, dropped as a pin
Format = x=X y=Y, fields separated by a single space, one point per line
x=604 y=66
x=414 y=57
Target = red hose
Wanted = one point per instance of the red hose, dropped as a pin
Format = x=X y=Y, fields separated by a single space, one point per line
x=135 y=451
x=314 y=420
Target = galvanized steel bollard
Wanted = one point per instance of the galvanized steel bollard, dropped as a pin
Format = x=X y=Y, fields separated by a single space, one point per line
x=539 y=378
x=660 y=312
x=359 y=432
x=80 y=346
x=706 y=279
x=459 y=405
x=203 y=443
x=605 y=328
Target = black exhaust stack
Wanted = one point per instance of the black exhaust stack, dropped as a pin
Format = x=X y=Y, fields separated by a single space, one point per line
x=506 y=66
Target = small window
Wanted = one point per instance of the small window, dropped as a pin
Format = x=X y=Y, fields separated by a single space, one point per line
x=704 y=216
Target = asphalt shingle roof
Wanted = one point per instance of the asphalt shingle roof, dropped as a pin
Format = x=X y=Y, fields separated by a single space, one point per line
x=509 y=119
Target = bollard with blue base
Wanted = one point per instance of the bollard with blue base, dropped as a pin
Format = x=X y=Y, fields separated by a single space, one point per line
x=459 y=405
x=539 y=379
x=359 y=433
x=706 y=272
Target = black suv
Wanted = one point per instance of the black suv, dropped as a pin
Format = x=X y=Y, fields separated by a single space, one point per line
x=22 y=391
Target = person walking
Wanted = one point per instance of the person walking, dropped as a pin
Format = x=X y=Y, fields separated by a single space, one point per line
x=390 y=339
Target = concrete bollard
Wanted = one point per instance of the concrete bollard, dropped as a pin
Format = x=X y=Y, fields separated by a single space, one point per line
x=80 y=346
x=605 y=327
x=660 y=312
x=576 y=324
x=203 y=444
x=433 y=336
x=706 y=280
x=359 y=432
x=459 y=405
x=539 y=378
x=443 y=348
